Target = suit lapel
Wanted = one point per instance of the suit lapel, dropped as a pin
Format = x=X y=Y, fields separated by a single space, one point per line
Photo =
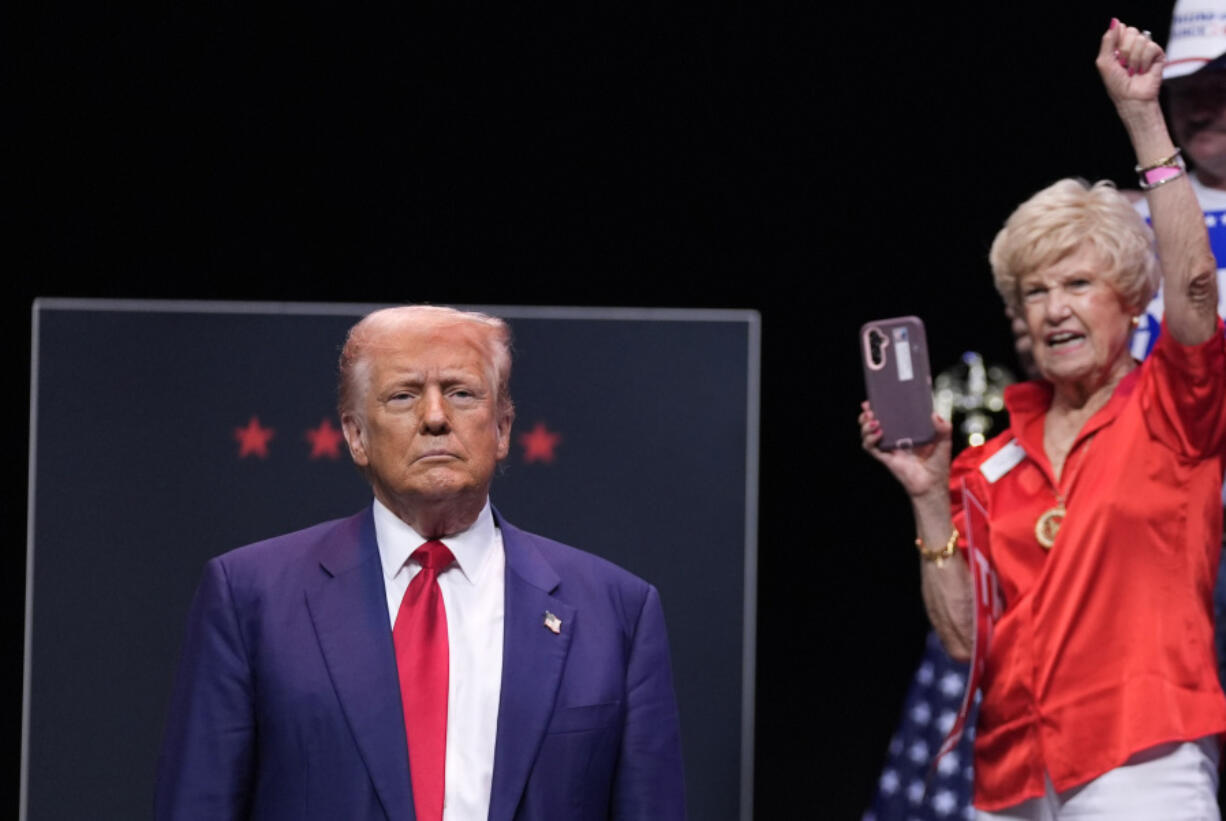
x=349 y=612
x=533 y=658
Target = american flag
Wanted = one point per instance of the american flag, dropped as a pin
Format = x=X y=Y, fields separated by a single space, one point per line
x=910 y=788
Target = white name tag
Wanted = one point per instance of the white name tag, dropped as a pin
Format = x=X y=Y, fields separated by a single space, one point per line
x=1003 y=461
x=902 y=355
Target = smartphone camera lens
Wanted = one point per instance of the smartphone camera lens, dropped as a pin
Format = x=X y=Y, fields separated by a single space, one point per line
x=876 y=344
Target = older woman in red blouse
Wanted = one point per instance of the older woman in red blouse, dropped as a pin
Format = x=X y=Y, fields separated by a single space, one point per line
x=1101 y=698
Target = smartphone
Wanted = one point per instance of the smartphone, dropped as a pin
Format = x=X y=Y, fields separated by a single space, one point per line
x=898 y=380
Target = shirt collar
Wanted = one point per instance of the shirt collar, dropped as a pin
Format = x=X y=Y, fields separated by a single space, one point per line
x=397 y=541
x=1028 y=403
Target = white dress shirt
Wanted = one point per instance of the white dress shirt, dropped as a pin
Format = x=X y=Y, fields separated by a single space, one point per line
x=473 y=591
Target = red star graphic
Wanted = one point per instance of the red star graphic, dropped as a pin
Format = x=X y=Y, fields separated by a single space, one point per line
x=253 y=439
x=325 y=441
x=538 y=443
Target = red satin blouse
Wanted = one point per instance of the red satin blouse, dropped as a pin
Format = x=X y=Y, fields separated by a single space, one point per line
x=1105 y=645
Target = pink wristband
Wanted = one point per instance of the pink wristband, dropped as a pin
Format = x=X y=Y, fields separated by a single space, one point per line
x=1162 y=173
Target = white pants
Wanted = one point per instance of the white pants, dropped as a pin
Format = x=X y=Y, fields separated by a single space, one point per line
x=1170 y=782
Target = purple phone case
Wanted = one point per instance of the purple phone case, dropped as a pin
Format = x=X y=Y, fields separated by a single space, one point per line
x=894 y=353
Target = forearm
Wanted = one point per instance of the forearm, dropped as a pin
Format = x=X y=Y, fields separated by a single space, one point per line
x=1188 y=267
x=945 y=583
x=924 y=474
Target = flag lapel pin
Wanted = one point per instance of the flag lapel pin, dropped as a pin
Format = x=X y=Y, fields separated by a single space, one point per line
x=553 y=623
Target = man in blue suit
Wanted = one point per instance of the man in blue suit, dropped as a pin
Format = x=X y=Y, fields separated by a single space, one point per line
x=423 y=659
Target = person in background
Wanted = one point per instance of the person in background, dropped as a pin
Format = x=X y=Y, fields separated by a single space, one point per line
x=1194 y=83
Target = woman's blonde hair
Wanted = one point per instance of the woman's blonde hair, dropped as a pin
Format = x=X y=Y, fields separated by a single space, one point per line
x=1056 y=221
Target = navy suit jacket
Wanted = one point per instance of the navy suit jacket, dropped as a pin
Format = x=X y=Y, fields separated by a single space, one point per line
x=287 y=700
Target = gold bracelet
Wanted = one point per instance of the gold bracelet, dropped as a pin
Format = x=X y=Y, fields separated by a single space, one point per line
x=938 y=554
x=1174 y=159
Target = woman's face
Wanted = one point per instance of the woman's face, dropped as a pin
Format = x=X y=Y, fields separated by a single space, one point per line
x=1078 y=325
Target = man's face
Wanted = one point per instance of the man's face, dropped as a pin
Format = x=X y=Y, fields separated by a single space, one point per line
x=1198 y=118
x=427 y=428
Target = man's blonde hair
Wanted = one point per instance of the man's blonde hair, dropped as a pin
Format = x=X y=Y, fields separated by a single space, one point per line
x=353 y=371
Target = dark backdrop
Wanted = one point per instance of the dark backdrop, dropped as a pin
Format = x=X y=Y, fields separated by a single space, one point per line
x=823 y=166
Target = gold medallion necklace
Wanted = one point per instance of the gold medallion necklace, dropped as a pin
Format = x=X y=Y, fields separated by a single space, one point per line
x=1048 y=524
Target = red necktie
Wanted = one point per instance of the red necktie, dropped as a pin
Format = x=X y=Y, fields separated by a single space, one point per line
x=420 y=636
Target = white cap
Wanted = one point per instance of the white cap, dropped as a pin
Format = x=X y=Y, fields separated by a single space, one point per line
x=1198 y=36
